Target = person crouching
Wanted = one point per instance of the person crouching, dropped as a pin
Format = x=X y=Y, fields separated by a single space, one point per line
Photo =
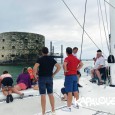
x=7 y=85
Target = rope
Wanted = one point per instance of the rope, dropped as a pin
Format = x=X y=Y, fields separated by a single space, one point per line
x=104 y=26
x=110 y=4
x=107 y=25
x=106 y=17
x=79 y=24
x=83 y=28
x=100 y=25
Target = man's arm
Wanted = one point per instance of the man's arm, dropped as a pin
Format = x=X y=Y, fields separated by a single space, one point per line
x=58 y=67
x=65 y=66
x=80 y=66
x=35 y=69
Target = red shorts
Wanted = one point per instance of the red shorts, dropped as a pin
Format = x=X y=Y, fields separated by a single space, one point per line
x=22 y=86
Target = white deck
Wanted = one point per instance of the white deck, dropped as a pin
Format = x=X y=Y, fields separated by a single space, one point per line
x=29 y=92
x=31 y=105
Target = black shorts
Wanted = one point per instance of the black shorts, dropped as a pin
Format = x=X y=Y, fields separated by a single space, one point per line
x=78 y=73
x=8 y=81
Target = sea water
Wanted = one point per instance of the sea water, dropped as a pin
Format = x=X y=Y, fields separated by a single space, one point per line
x=16 y=70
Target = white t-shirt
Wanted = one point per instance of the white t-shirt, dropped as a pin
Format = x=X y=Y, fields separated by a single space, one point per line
x=99 y=61
x=74 y=54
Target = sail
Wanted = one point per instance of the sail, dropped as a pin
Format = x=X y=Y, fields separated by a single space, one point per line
x=112 y=41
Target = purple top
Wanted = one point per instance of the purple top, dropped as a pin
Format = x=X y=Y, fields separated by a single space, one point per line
x=24 y=78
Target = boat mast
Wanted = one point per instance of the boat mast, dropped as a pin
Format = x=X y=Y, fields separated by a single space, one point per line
x=112 y=40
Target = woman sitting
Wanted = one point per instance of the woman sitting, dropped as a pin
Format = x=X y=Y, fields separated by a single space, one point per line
x=6 y=82
x=23 y=80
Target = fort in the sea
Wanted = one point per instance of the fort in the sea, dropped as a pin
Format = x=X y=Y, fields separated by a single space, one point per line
x=20 y=47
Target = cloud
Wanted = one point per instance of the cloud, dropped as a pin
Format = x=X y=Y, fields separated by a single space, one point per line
x=53 y=20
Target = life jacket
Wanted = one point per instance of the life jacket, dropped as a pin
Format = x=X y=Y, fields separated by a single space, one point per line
x=30 y=71
x=111 y=59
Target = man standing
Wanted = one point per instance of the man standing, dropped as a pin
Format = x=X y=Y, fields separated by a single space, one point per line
x=74 y=52
x=45 y=80
x=71 y=64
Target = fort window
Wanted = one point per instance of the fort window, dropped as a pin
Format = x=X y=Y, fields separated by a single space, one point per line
x=3 y=47
x=13 y=55
x=2 y=55
x=37 y=41
x=37 y=48
x=26 y=40
x=3 y=40
x=13 y=47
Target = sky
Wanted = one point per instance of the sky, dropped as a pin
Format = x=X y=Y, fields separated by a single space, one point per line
x=52 y=19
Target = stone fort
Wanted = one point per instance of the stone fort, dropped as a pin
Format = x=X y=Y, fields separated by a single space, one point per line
x=20 y=47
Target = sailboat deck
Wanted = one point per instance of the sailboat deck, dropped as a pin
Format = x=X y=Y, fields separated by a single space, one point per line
x=26 y=106
x=30 y=105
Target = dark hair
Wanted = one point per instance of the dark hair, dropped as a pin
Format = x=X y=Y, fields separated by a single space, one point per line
x=45 y=50
x=25 y=70
x=5 y=72
x=99 y=50
x=75 y=48
x=69 y=50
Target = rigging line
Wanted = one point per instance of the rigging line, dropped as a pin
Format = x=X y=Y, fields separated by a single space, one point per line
x=100 y=25
x=106 y=17
x=83 y=28
x=104 y=27
x=103 y=24
x=110 y=4
x=79 y=24
x=107 y=25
